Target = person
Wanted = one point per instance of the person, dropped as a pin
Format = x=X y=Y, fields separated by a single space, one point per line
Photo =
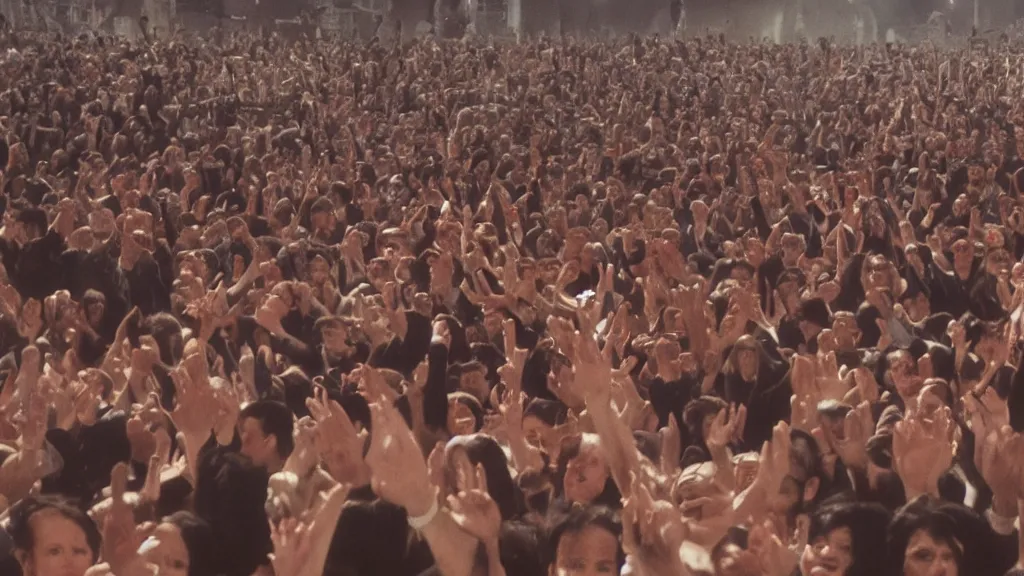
x=181 y=545
x=586 y=541
x=841 y=537
x=53 y=538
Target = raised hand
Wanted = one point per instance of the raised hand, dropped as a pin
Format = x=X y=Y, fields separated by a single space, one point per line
x=671 y=446
x=399 y=472
x=725 y=427
x=475 y=511
x=922 y=452
x=339 y=444
x=120 y=540
x=653 y=531
x=195 y=410
x=292 y=546
x=777 y=557
x=1002 y=467
x=858 y=427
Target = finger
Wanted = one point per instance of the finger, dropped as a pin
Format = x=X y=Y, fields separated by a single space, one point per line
x=481 y=478
x=315 y=409
x=340 y=417
x=690 y=505
x=118 y=483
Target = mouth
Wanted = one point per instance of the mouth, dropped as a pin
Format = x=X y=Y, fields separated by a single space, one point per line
x=824 y=567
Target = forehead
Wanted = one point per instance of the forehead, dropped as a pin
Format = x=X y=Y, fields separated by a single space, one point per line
x=249 y=425
x=591 y=540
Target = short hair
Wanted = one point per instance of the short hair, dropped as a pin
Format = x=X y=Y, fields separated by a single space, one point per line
x=698 y=409
x=20 y=527
x=274 y=418
x=927 y=514
x=580 y=518
x=867 y=524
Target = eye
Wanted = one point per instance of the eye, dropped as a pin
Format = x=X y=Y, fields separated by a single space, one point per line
x=923 y=555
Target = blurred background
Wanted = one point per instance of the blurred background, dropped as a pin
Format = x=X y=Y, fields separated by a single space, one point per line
x=778 y=20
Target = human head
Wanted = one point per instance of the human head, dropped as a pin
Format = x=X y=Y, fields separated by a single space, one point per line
x=844 y=540
x=483 y=450
x=923 y=541
x=265 y=428
x=802 y=486
x=583 y=468
x=587 y=541
x=53 y=538
x=181 y=545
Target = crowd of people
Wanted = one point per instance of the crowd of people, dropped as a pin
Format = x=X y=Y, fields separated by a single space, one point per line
x=556 y=307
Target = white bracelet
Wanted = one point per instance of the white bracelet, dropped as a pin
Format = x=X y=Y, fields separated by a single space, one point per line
x=1002 y=525
x=421 y=522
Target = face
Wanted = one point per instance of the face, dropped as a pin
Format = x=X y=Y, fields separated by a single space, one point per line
x=828 y=555
x=167 y=551
x=535 y=430
x=878 y=274
x=259 y=447
x=319 y=270
x=903 y=371
x=586 y=474
x=998 y=263
x=590 y=551
x=61 y=547
x=927 y=557
x=460 y=418
x=475 y=383
x=963 y=253
x=94 y=313
x=747 y=360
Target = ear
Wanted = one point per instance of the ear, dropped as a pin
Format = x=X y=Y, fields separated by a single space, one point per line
x=272 y=443
x=811 y=489
x=24 y=559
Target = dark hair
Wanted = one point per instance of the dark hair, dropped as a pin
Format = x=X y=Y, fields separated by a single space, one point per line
x=20 y=527
x=199 y=540
x=578 y=519
x=520 y=549
x=484 y=450
x=297 y=388
x=229 y=494
x=867 y=524
x=698 y=409
x=274 y=418
x=166 y=330
x=925 y=514
x=805 y=464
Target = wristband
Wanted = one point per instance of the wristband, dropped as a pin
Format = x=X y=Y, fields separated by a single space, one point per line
x=421 y=522
x=1001 y=525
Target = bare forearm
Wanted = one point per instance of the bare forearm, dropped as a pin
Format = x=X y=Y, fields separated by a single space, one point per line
x=454 y=550
x=494 y=567
x=524 y=456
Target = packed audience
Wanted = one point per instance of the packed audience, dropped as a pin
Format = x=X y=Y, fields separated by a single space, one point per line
x=561 y=307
